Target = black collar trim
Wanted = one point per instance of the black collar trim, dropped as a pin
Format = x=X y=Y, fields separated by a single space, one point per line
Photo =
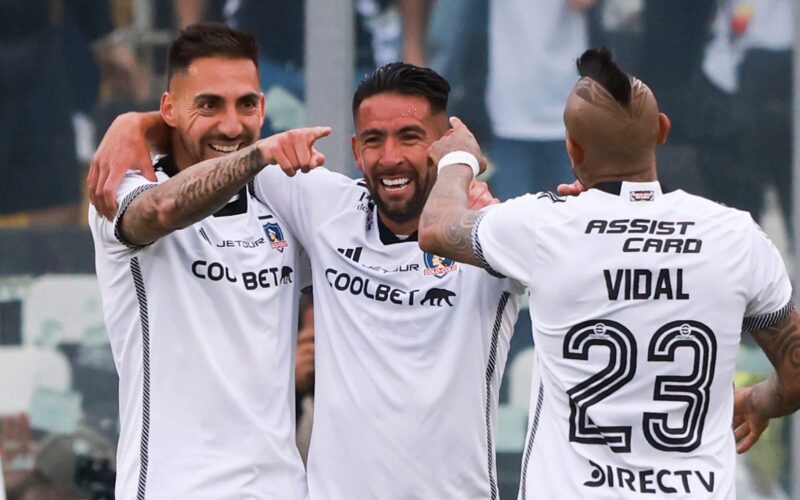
x=388 y=237
x=615 y=187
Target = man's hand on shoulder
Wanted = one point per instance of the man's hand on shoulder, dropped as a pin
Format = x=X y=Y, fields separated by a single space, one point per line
x=573 y=189
x=124 y=147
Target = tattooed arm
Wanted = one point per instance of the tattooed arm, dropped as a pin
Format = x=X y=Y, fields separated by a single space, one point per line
x=204 y=188
x=777 y=396
x=445 y=226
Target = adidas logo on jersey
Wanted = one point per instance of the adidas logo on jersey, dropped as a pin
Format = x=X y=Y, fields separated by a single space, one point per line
x=353 y=254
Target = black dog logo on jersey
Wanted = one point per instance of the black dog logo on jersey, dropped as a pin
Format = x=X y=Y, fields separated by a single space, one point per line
x=435 y=297
x=275 y=235
x=438 y=266
x=286 y=274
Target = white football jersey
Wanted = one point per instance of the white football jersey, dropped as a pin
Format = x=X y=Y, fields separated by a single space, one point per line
x=410 y=350
x=201 y=324
x=637 y=302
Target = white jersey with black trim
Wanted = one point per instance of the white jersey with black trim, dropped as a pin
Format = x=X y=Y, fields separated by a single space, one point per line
x=202 y=326
x=637 y=302
x=410 y=351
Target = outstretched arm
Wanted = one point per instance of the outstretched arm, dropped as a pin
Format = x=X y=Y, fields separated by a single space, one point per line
x=777 y=396
x=445 y=226
x=204 y=188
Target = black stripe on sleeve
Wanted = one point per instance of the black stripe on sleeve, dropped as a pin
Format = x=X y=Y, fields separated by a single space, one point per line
x=529 y=446
x=490 y=369
x=755 y=323
x=121 y=211
x=478 y=250
x=138 y=282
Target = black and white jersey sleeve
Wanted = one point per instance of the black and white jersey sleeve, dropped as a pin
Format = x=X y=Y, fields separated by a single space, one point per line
x=770 y=291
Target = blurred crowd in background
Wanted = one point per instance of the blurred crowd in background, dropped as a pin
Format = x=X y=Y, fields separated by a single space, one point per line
x=722 y=70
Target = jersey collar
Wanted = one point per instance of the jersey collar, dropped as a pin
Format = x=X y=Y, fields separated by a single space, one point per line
x=632 y=191
x=388 y=237
x=167 y=165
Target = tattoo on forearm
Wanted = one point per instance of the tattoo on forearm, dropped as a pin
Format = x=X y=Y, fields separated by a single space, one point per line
x=781 y=342
x=457 y=232
x=228 y=172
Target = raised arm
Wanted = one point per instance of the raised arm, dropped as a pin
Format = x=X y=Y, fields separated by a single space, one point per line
x=126 y=145
x=204 y=188
x=445 y=227
x=777 y=396
x=415 y=14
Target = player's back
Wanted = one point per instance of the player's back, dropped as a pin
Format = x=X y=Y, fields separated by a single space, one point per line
x=637 y=301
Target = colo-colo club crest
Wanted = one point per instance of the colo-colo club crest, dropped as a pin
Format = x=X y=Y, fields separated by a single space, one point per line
x=275 y=235
x=438 y=266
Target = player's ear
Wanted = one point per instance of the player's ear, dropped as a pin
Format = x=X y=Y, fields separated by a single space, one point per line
x=167 y=109
x=663 y=128
x=356 y=157
x=575 y=152
x=262 y=107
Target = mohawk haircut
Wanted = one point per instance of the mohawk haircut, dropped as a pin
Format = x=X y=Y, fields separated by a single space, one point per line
x=404 y=79
x=598 y=65
x=209 y=40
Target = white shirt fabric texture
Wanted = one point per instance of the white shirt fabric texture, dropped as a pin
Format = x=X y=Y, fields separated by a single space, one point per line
x=410 y=351
x=637 y=302
x=202 y=328
x=532 y=51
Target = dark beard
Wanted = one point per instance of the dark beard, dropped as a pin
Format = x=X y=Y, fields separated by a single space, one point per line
x=409 y=211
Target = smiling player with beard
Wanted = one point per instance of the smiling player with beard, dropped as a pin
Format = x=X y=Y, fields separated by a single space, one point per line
x=408 y=362
x=200 y=308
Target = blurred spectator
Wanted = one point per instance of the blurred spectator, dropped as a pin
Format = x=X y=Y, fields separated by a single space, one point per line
x=765 y=83
x=670 y=49
x=532 y=51
x=743 y=115
x=456 y=51
x=125 y=83
x=673 y=36
x=72 y=467
x=16 y=452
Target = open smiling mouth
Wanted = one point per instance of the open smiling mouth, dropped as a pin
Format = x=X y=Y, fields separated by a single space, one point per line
x=220 y=148
x=392 y=185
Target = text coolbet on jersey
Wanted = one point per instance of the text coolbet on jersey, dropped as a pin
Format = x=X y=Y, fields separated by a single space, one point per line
x=410 y=350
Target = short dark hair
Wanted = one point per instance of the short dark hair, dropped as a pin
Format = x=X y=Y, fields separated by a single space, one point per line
x=209 y=40
x=599 y=65
x=404 y=79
